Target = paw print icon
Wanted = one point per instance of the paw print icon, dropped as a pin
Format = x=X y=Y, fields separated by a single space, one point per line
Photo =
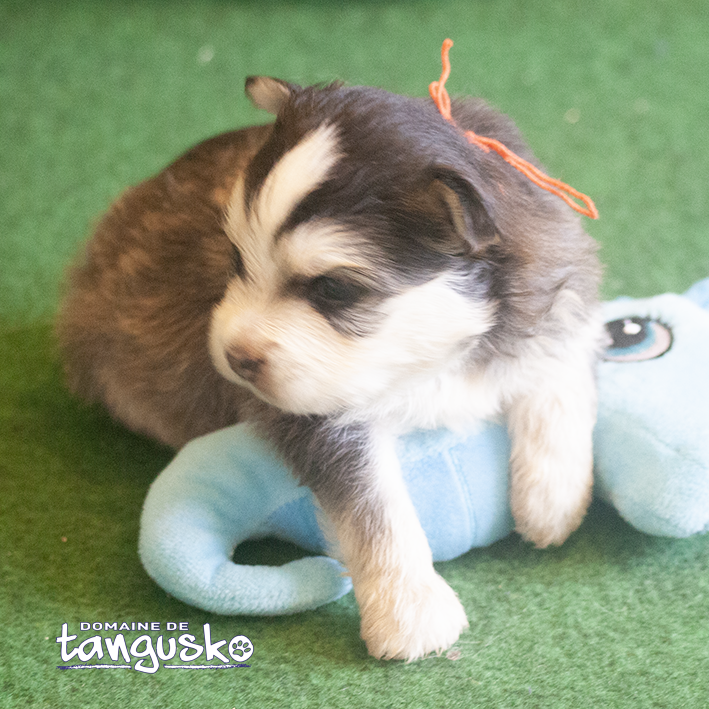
x=240 y=648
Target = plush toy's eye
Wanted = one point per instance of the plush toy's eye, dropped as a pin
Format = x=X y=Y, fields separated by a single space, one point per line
x=636 y=339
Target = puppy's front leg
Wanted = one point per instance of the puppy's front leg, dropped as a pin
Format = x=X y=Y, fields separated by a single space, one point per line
x=551 y=427
x=407 y=609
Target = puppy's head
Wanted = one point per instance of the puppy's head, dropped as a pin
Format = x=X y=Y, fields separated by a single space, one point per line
x=360 y=250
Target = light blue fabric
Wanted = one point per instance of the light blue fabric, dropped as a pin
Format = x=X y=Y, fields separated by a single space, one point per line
x=220 y=490
x=699 y=293
x=652 y=463
x=652 y=437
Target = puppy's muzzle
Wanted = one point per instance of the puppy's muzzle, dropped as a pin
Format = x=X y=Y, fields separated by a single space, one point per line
x=244 y=363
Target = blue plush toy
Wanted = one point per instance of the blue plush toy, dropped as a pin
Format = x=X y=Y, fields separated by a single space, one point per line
x=652 y=463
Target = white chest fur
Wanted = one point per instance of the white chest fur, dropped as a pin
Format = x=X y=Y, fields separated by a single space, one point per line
x=454 y=399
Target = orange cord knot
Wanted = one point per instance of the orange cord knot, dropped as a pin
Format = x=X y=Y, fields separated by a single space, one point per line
x=440 y=97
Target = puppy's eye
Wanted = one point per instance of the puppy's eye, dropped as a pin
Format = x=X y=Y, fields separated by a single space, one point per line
x=330 y=293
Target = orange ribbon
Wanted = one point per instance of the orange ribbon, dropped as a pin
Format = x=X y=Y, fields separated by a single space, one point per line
x=557 y=187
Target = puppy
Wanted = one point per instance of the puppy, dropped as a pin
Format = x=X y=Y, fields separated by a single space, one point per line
x=352 y=271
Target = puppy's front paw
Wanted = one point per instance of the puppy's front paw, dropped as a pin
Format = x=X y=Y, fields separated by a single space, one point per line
x=408 y=621
x=548 y=510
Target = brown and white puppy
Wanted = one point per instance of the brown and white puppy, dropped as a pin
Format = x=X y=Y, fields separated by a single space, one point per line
x=353 y=271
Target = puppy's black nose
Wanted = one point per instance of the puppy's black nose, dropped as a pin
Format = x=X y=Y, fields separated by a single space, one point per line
x=245 y=364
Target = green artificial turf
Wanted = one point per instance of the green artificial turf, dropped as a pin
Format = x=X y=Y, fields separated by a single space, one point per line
x=95 y=96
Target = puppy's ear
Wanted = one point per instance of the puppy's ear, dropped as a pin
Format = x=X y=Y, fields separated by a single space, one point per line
x=267 y=93
x=466 y=209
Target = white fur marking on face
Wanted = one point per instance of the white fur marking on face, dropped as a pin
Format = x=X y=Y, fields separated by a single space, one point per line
x=316 y=370
x=424 y=331
x=316 y=247
x=300 y=171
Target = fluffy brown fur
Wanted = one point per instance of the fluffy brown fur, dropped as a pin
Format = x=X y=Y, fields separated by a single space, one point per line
x=133 y=325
